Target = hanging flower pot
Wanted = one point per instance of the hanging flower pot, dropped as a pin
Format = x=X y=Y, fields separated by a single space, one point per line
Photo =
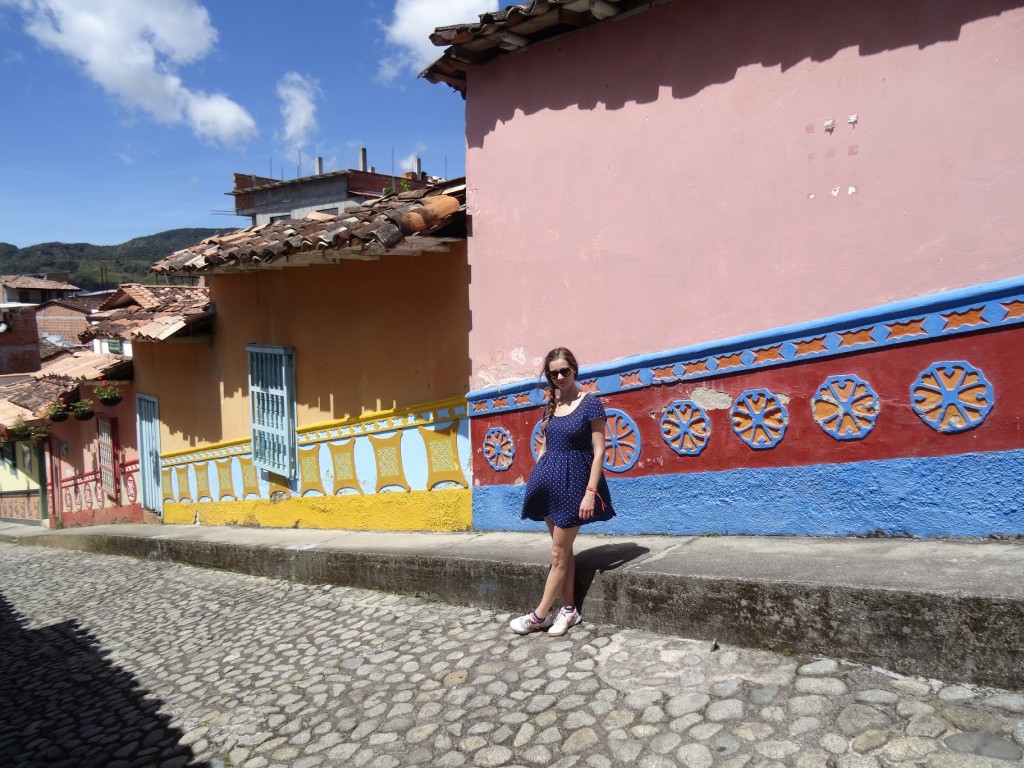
x=109 y=394
x=55 y=411
x=82 y=409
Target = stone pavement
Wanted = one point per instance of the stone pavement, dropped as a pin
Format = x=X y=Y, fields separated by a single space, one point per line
x=948 y=609
x=122 y=663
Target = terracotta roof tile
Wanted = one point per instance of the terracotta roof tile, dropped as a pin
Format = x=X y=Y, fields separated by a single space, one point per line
x=403 y=222
x=48 y=349
x=84 y=304
x=25 y=399
x=28 y=282
x=30 y=396
x=10 y=413
x=517 y=26
x=150 y=312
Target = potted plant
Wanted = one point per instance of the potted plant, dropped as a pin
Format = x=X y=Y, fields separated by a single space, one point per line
x=82 y=409
x=55 y=411
x=21 y=430
x=109 y=394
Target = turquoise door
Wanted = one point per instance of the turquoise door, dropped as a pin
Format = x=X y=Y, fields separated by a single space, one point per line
x=149 y=453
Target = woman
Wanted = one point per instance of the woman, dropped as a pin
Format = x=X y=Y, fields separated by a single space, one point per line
x=566 y=488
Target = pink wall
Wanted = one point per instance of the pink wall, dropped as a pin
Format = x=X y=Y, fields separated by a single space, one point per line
x=666 y=179
x=76 y=498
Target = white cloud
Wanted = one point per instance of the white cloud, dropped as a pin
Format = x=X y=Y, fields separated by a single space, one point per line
x=408 y=163
x=410 y=30
x=132 y=50
x=298 y=108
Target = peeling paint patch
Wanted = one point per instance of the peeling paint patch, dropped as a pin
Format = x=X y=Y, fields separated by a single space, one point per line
x=518 y=355
x=783 y=398
x=711 y=399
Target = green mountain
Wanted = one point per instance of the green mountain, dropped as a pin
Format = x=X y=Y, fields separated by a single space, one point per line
x=88 y=264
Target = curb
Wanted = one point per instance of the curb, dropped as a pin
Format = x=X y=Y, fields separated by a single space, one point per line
x=956 y=638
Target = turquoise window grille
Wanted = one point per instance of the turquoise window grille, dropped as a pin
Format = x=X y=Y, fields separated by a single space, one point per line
x=272 y=408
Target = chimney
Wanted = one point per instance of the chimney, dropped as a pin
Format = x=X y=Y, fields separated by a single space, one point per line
x=419 y=167
x=362 y=159
x=318 y=166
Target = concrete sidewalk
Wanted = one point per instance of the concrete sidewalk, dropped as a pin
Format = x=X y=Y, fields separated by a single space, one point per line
x=949 y=609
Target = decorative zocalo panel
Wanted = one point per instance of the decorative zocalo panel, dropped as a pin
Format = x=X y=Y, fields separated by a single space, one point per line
x=906 y=420
x=846 y=407
x=759 y=418
x=421 y=449
x=933 y=399
x=952 y=396
x=685 y=427
x=499 y=448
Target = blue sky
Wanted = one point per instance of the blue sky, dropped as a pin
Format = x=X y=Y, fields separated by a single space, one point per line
x=123 y=118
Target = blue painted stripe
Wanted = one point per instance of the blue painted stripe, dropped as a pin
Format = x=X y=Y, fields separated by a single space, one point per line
x=971 y=494
x=607 y=375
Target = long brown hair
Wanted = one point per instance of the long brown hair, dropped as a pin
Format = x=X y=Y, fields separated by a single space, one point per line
x=558 y=353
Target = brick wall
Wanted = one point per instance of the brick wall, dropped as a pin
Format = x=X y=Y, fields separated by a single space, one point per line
x=65 y=322
x=19 y=347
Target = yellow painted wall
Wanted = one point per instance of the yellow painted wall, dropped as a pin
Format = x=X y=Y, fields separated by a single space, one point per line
x=183 y=377
x=369 y=336
x=14 y=476
x=445 y=510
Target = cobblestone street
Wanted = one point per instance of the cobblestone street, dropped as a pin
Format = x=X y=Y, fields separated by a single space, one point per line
x=111 y=661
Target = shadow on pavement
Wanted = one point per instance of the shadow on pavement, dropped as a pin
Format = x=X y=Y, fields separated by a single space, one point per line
x=62 y=703
x=600 y=559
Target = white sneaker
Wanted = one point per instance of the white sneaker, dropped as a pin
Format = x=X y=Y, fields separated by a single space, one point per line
x=524 y=625
x=563 y=622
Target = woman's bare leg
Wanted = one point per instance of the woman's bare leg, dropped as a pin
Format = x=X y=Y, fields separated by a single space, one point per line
x=562 y=575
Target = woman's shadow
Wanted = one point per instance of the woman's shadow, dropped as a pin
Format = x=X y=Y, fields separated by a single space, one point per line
x=601 y=559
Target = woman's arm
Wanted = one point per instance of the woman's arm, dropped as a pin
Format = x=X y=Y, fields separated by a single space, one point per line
x=590 y=497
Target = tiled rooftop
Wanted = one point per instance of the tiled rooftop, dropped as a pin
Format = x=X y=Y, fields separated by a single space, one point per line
x=402 y=223
x=84 y=304
x=47 y=349
x=25 y=399
x=150 y=312
x=85 y=366
x=517 y=26
x=28 y=282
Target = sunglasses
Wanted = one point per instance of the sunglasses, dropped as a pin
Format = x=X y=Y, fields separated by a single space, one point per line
x=563 y=372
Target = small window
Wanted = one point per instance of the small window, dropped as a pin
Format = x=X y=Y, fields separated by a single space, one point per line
x=115 y=347
x=280 y=217
x=329 y=211
x=272 y=408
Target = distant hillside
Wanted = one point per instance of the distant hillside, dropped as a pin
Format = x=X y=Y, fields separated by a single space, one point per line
x=125 y=263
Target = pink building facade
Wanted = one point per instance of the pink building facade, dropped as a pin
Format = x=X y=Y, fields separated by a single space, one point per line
x=93 y=465
x=783 y=244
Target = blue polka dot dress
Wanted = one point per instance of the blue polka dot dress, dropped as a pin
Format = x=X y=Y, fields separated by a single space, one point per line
x=559 y=481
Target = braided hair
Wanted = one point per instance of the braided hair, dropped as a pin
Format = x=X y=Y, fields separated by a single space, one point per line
x=558 y=353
